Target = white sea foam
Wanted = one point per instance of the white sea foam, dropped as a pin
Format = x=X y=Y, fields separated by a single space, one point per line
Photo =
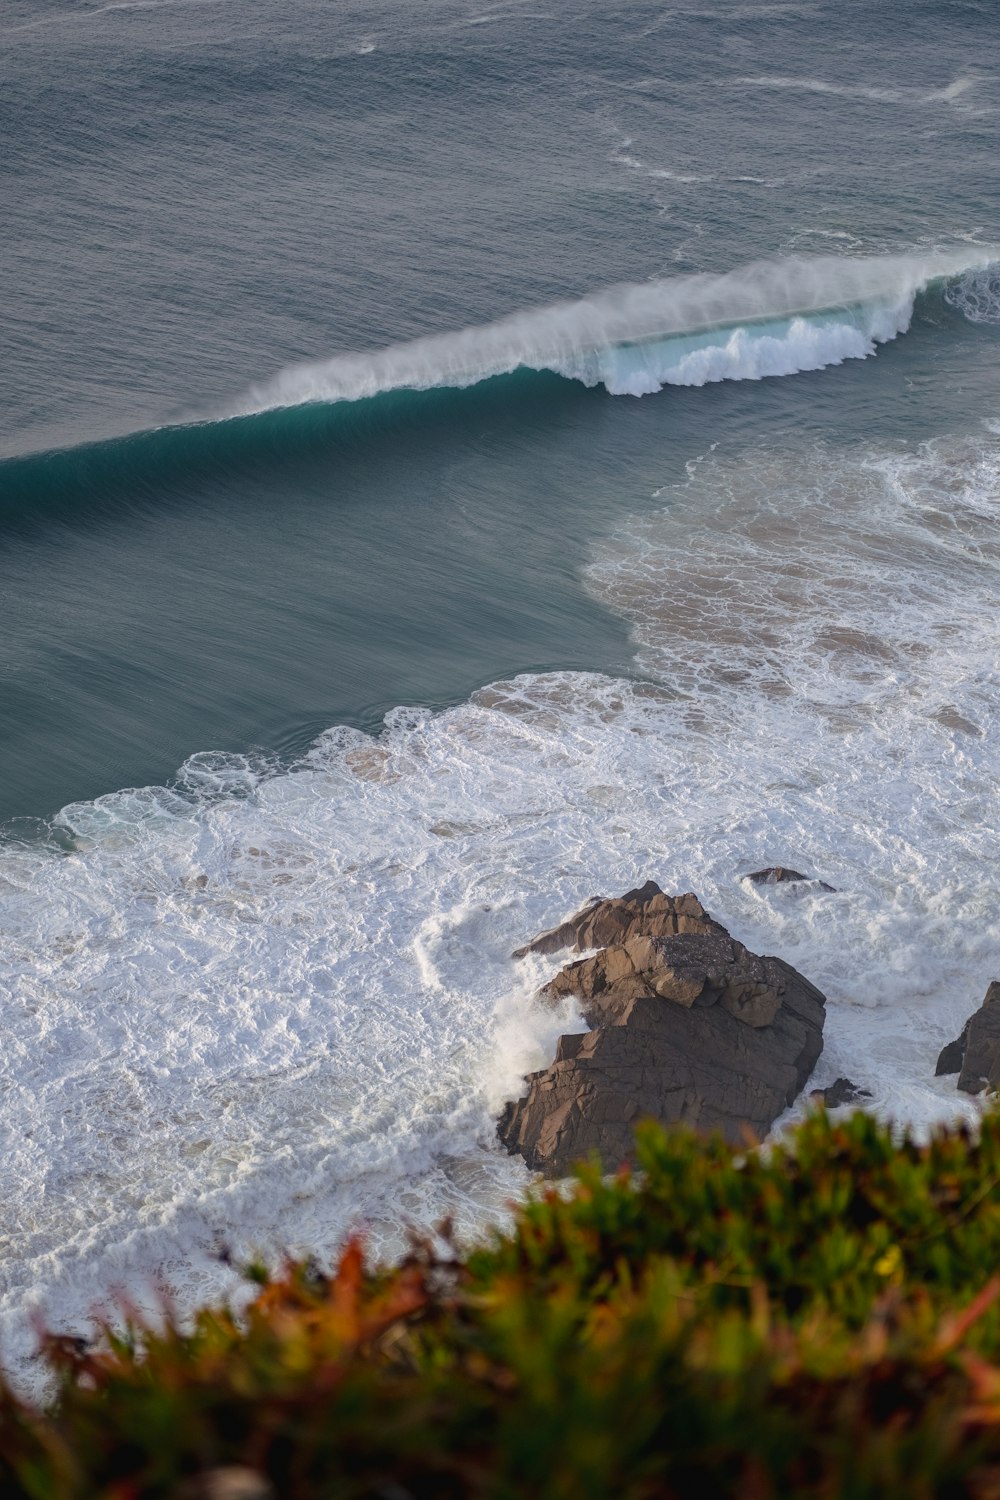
x=977 y=295
x=786 y=347
x=769 y=318
x=626 y=157
x=267 y=1004
x=92 y=12
x=876 y=93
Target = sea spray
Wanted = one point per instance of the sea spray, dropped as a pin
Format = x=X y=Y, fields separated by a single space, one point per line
x=768 y=318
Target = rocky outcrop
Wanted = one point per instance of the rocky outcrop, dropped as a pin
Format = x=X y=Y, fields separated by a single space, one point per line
x=687 y=1025
x=975 y=1055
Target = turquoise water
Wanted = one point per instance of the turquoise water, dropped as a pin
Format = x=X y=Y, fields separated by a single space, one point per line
x=198 y=201
x=246 y=589
x=242 y=585
x=455 y=460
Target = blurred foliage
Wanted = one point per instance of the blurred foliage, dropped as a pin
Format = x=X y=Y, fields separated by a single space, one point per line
x=818 y=1318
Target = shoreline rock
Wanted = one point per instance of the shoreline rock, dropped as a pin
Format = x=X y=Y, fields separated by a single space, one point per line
x=687 y=1025
x=975 y=1054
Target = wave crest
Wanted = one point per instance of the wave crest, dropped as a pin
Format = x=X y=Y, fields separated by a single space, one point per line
x=769 y=318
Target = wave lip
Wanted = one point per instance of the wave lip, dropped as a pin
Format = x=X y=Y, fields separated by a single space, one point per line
x=772 y=317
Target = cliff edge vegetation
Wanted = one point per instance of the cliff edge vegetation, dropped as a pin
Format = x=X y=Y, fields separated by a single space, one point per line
x=818 y=1318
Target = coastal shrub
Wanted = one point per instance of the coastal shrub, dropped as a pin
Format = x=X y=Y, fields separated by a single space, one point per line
x=829 y=1218
x=819 y=1318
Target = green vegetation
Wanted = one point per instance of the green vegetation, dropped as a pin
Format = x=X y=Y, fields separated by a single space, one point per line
x=819 y=1319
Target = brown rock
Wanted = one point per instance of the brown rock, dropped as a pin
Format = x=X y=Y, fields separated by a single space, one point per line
x=645 y=911
x=975 y=1055
x=688 y=1025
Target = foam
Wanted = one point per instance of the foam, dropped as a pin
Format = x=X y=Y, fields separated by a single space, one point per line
x=93 y=12
x=268 y=1003
x=976 y=295
x=876 y=93
x=625 y=157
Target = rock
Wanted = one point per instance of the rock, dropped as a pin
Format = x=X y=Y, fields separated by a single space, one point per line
x=778 y=875
x=950 y=1057
x=842 y=1092
x=687 y=1025
x=975 y=1055
x=645 y=911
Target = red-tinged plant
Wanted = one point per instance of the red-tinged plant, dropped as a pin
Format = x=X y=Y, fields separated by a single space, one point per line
x=818 y=1319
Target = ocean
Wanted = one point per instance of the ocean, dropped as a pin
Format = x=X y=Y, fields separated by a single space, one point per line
x=456 y=460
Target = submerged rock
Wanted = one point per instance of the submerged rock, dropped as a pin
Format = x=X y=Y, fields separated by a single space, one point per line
x=841 y=1092
x=779 y=875
x=975 y=1054
x=687 y=1025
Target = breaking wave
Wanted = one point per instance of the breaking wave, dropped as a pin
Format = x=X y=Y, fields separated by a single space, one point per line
x=770 y=318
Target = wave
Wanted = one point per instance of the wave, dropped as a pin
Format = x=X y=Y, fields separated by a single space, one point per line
x=134 y=472
x=768 y=318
